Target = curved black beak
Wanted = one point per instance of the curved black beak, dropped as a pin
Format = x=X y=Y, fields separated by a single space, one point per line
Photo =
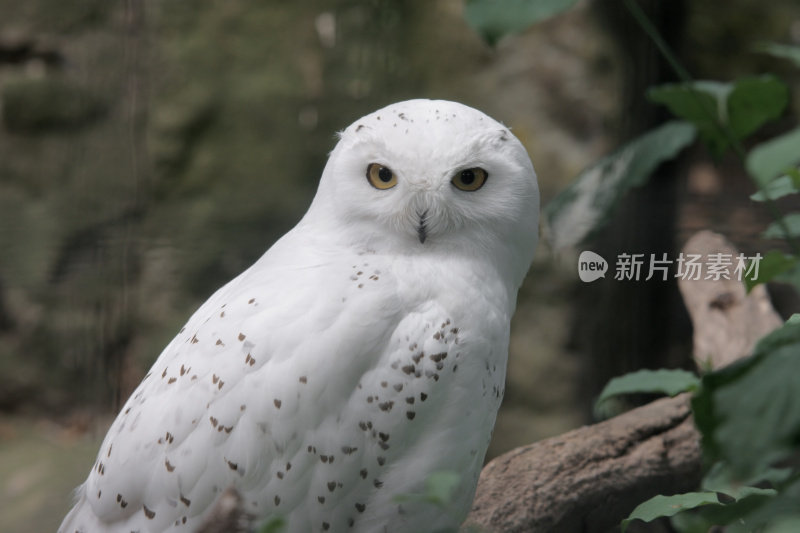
x=422 y=231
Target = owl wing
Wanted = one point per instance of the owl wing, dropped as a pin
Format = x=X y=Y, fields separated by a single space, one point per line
x=274 y=378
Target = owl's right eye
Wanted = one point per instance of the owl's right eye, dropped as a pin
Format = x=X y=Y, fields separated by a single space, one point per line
x=381 y=177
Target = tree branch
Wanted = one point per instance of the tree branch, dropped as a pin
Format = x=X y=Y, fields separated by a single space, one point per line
x=589 y=479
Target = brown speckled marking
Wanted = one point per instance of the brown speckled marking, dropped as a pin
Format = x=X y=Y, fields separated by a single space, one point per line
x=360 y=507
x=331 y=486
x=423 y=396
x=277 y=500
x=381 y=460
x=363 y=473
x=121 y=501
x=325 y=526
x=170 y=467
x=242 y=336
x=321 y=499
x=279 y=474
x=213 y=421
x=410 y=415
x=408 y=369
x=277 y=403
x=185 y=501
x=148 y=513
x=347 y=450
x=386 y=406
x=251 y=300
x=250 y=360
x=303 y=379
x=232 y=465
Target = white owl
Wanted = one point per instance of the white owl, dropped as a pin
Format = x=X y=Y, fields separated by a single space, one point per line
x=361 y=353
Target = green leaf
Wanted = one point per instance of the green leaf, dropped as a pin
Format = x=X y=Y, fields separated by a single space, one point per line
x=724 y=112
x=669 y=382
x=701 y=103
x=771 y=265
x=784 y=51
x=777 y=156
x=494 y=19
x=749 y=412
x=720 y=479
x=731 y=514
x=771 y=511
x=439 y=487
x=660 y=506
x=586 y=204
x=755 y=101
x=778 y=229
x=276 y=524
x=777 y=188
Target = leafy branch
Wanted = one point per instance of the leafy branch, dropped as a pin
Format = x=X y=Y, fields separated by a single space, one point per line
x=749 y=412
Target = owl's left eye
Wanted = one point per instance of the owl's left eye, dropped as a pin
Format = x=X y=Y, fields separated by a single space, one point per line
x=470 y=179
x=381 y=177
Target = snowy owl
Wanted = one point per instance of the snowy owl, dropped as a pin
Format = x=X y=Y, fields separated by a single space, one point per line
x=363 y=352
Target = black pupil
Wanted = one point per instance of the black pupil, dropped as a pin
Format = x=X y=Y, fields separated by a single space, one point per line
x=384 y=174
x=467 y=177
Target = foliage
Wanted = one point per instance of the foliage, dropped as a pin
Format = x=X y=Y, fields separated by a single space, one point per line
x=586 y=204
x=276 y=524
x=493 y=19
x=663 y=381
x=724 y=113
x=748 y=413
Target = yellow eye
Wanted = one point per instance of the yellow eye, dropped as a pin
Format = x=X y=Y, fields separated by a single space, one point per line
x=470 y=179
x=381 y=177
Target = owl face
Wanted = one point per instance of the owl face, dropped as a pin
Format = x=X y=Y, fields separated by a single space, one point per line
x=424 y=174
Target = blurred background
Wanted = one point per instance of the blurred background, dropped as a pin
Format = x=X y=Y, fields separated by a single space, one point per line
x=150 y=150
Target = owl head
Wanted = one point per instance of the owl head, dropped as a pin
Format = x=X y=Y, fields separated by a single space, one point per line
x=431 y=176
